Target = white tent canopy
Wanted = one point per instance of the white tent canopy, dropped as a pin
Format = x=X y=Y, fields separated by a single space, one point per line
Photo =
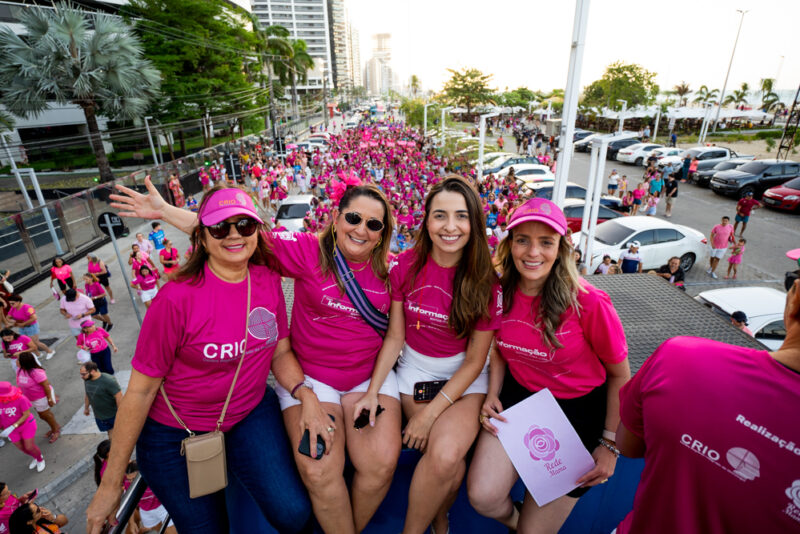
x=682 y=113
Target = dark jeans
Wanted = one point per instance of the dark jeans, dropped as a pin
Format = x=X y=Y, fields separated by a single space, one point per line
x=258 y=455
x=103 y=360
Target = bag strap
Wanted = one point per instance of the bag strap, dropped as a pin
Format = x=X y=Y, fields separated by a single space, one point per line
x=235 y=376
x=378 y=320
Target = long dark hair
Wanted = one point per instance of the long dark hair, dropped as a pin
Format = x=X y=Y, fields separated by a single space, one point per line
x=19 y=522
x=27 y=362
x=378 y=255
x=103 y=448
x=8 y=332
x=472 y=283
x=194 y=269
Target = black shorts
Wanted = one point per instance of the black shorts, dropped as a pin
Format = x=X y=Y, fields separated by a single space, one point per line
x=587 y=414
x=64 y=285
x=103 y=279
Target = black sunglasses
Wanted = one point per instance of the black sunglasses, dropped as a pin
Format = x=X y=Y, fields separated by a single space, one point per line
x=246 y=227
x=355 y=219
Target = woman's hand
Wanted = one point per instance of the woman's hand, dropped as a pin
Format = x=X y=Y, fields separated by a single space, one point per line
x=135 y=204
x=317 y=421
x=605 y=463
x=491 y=410
x=103 y=507
x=418 y=429
x=368 y=402
x=115 y=348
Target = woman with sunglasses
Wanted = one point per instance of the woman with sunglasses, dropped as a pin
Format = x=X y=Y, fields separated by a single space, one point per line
x=557 y=332
x=334 y=344
x=194 y=338
x=445 y=308
x=30 y=518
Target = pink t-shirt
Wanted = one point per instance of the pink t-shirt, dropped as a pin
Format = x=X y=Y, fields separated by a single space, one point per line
x=333 y=343
x=428 y=301
x=18 y=345
x=82 y=304
x=146 y=283
x=639 y=193
x=721 y=236
x=11 y=411
x=21 y=314
x=722 y=441
x=590 y=338
x=149 y=501
x=407 y=219
x=11 y=504
x=61 y=273
x=94 y=289
x=193 y=335
x=96 y=341
x=29 y=382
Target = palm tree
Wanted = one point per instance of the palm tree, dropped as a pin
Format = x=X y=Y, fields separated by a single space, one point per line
x=414 y=85
x=738 y=96
x=273 y=46
x=767 y=84
x=295 y=69
x=72 y=57
x=682 y=90
x=705 y=95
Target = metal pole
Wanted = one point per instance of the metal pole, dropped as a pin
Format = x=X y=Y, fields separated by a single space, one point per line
x=425 y=122
x=50 y=227
x=582 y=242
x=442 y=125
x=598 y=186
x=730 y=63
x=150 y=139
x=121 y=263
x=482 y=140
x=272 y=110
x=621 y=117
x=233 y=167
x=14 y=169
x=325 y=99
x=571 y=100
x=655 y=131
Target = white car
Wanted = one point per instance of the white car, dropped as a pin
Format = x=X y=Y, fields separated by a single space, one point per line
x=489 y=157
x=667 y=152
x=292 y=212
x=659 y=239
x=762 y=305
x=352 y=123
x=528 y=171
x=637 y=154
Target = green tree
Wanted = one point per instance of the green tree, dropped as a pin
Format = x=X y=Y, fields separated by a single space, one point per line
x=294 y=69
x=273 y=45
x=704 y=95
x=414 y=85
x=468 y=88
x=682 y=90
x=622 y=81
x=738 y=96
x=69 y=56
x=519 y=97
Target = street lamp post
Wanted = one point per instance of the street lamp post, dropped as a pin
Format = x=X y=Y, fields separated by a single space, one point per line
x=150 y=138
x=448 y=108
x=425 y=122
x=621 y=113
x=725 y=85
x=481 y=141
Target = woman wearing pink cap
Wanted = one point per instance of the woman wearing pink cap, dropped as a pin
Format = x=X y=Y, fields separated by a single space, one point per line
x=215 y=333
x=557 y=332
x=18 y=425
x=334 y=343
x=446 y=305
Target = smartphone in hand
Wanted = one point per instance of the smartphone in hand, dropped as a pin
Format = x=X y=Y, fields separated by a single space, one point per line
x=305 y=444
x=363 y=418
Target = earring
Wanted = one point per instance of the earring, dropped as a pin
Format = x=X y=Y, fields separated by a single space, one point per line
x=380 y=240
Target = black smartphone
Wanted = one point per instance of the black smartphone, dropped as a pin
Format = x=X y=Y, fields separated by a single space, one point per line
x=363 y=419
x=28 y=497
x=426 y=391
x=305 y=443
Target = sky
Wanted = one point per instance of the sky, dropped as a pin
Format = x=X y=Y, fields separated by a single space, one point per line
x=527 y=42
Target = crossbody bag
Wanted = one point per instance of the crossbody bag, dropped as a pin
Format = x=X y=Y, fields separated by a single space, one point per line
x=378 y=320
x=205 y=453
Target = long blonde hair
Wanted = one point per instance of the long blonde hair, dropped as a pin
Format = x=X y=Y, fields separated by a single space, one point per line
x=559 y=293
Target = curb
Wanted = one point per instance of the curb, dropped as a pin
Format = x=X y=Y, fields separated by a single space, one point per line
x=62 y=482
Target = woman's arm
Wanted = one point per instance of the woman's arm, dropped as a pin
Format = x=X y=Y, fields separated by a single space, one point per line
x=131 y=416
x=32 y=319
x=152 y=206
x=23 y=417
x=31 y=348
x=111 y=342
x=491 y=406
x=48 y=391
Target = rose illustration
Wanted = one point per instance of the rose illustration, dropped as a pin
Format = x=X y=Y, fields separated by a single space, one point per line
x=794 y=493
x=541 y=443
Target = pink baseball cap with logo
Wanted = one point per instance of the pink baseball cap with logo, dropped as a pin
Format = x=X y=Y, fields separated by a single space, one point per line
x=540 y=210
x=228 y=203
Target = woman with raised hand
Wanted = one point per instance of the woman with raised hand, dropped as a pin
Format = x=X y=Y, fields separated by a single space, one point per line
x=334 y=343
x=214 y=333
x=557 y=332
x=446 y=305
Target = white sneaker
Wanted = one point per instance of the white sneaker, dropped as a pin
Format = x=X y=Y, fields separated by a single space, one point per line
x=714 y=276
x=50 y=355
x=33 y=464
x=40 y=466
x=2 y=442
x=708 y=271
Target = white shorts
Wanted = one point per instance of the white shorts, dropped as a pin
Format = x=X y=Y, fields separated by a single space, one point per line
x=148 y=294
x=413 y=367
x=151 y=518
x=326 y=393
x=718 y=252
x=40 y=405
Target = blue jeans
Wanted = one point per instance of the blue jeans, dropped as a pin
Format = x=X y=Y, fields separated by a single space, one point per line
x=258 y=455
x=103 y=360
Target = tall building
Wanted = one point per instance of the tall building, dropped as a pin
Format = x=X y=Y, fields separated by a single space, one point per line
x=355 y=55
x=342 y=74
x=378 y=74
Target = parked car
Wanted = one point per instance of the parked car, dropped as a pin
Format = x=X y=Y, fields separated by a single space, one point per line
x=703 y=178
x=527 y=169
x=755 y=176
x=292 y=212
x=577 y=135
x=585 y=144
x=545 y=190
x=638 y=153
x=352 y=123
x=763 y=306
x=489 y=157
x=615 y=146
x=516 y=160
x=573 y=211
x=707 y=157
x=665 y=152
x=659 y=239
x=783 y=197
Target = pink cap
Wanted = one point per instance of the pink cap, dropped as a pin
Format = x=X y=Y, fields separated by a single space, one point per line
x=87 y=323
x=227 y=203
x=793 y=254
x=541 y=210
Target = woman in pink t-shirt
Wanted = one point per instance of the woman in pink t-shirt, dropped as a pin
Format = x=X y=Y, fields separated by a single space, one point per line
x=23 y=316
x=95 y=291
x=170 y=257
x=62 y=273
x=223 y=317
x=33 y=382
x=15 y=344
x=445 y=308
x=557 y=332
x=18 y=424
x=147 y=283
x=98 y=343
x=98 y=268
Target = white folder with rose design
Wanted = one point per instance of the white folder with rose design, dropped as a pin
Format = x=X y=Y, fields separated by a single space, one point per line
x=543 y=446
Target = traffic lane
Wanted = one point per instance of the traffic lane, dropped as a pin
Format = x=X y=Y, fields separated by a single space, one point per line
x=769 y=235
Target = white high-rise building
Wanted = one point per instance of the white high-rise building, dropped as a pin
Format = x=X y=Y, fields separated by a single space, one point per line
x=355 y=55
x=378 y=74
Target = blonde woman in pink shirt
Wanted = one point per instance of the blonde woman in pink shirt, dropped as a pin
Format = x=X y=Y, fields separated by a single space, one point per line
x=335 y=346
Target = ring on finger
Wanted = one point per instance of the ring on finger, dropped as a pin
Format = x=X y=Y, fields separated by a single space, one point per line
x=604 y=481
x=330 y=429
x=482 y=418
